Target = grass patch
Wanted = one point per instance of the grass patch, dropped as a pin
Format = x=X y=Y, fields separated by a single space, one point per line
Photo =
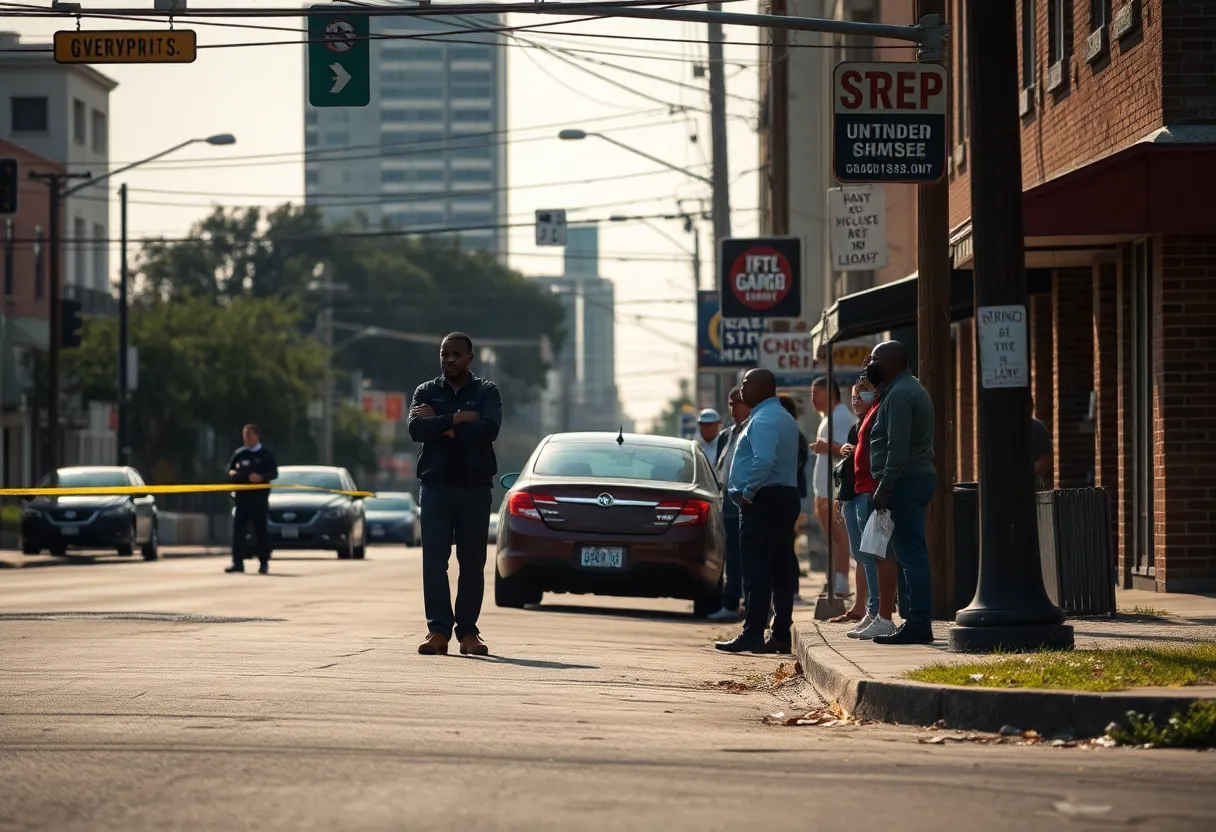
x=1090 y=670
x=10 y=516
x=1143 y=612
x=1193 y=728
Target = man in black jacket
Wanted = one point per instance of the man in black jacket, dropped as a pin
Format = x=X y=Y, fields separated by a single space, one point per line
x=456 y=418
x=251 y=464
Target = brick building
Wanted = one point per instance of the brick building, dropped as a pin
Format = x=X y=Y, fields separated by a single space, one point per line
x=1118 y=121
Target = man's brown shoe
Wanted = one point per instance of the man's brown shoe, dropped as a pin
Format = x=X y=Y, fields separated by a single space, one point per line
x=435 y=645
x=473 y=646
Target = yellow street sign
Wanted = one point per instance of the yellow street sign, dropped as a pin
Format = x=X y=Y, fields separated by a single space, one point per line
x=166 y=46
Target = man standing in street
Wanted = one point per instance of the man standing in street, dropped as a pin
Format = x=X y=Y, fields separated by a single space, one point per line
x=709 y=434
x=456 y=418
x=251 y=464
x=764 y=482
x=732 y=584
x=901 y=460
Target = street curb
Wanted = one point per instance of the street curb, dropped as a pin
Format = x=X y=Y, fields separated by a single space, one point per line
x=1051 y=713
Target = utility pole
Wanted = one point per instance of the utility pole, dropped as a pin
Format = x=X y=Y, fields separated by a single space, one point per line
x=936 y=370
x=779 y=124
x=717 y=120
x=54 y=181
x=124 y=382
x=1011 y=609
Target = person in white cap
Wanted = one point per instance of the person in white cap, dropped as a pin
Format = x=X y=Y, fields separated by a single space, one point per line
x=709 y=425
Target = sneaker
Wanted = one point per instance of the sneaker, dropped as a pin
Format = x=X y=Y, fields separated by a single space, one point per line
x=877 y=627
x=724 y=614
x=865 y=622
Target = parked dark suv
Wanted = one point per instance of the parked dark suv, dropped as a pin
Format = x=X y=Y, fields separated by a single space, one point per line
x=91 y=521
x=302 y=519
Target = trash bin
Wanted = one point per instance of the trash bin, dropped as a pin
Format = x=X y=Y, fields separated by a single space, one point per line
x=1078 y=550
x=966 y=542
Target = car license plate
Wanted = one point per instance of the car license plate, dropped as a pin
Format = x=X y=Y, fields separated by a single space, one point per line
x=603 y=557
x=69 y=531
x=291 y=534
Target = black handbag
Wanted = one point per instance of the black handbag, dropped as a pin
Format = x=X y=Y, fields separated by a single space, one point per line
x=843 y=473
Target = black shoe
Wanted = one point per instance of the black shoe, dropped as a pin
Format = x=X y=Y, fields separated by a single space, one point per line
x=236 y=567
x=907 y=635
x=741 y=644
x=264 y=568
x=773 y=645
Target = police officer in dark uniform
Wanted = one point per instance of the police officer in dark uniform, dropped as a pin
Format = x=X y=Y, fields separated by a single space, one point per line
x=252 y=463
x=456 y=418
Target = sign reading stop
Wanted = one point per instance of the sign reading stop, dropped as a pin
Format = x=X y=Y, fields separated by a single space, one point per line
x=761 y=277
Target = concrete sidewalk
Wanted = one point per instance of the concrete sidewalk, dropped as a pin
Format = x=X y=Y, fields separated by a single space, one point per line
x=867 y=679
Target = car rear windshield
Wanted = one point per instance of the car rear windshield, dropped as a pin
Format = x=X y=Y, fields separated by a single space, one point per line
x=608 y=460
x=85 y=479
x=389 y=504
x=315 y=479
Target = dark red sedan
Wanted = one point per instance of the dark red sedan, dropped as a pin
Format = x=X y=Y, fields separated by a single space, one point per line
x=612 y=514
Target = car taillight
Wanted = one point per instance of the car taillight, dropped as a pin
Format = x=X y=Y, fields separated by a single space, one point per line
x=523 y=504
x=692 y=512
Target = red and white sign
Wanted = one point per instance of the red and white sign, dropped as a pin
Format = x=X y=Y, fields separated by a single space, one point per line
x=894 y=88
x=787 y=353
x=761 y=278
x=394 y=407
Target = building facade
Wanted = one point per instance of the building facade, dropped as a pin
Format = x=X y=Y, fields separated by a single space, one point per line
x=62 y=112
x=429 y=151
x=1118 y=147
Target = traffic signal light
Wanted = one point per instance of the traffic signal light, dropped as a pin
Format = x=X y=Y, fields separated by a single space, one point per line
x=8 y=186
x=70 y=323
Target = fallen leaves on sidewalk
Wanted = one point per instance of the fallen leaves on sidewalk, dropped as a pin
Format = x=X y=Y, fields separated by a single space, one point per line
x=1013 y=737
x=831 y=717
x=784 y=674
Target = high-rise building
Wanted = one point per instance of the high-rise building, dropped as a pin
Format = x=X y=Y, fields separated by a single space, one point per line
x=582 y=393
x=429 y=151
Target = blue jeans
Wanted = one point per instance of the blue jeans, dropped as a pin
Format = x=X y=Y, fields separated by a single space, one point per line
x=909 y=499
x=856 y=513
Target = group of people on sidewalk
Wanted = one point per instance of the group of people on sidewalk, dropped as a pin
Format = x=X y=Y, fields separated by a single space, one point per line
x=880 y=453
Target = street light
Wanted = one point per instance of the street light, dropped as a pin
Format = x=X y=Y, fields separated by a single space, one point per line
x=578 y=135
x=219 y=139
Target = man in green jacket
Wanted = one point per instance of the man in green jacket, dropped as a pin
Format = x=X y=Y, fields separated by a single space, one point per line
x=901 y=460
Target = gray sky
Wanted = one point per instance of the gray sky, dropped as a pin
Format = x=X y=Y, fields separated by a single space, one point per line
x=257 y=94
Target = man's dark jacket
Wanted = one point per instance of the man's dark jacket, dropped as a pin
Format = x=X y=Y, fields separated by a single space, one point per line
x=467 y=458
x=245 y=462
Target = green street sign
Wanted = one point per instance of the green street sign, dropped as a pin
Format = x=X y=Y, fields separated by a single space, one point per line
x=339 y=58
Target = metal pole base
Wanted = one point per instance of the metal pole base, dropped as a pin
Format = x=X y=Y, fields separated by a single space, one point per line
x=1016 y=639
x=826 y=608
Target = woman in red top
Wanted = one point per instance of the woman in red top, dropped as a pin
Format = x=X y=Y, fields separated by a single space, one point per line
x=857 y=513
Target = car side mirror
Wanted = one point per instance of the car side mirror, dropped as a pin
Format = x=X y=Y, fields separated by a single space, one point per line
x=508 y=480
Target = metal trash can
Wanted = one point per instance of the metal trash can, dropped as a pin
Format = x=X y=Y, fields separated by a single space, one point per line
x=1077 y=549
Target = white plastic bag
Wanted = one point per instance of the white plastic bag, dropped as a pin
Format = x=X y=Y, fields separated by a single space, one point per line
x=877 y=534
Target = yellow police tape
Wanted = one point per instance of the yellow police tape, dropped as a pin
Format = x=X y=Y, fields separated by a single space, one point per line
x=169 y=489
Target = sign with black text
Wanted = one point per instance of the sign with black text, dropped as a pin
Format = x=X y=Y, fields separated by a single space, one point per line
x=890 y=122
x=725 y=342
x=1004 y=358
x=761 y=277
x=858 y=228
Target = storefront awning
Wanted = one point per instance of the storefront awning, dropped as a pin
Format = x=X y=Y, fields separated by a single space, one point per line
x=893 y=305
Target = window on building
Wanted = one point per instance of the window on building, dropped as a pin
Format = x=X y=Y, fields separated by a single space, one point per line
x=480 y=175
x=1055 y=32
x=424 y=92
x=419 y=51
x=101 y=131
x=411 y=116
x=29 y=115
x=474 y=116
x=100 y=246
x=311 y=177
x=80 y=246
x=80 y=123
x=1099 y=14
x=472 y=152
x=337 y=138
x=1029 y=50
x=310 y=139
x=468 y=52
x=310 y=117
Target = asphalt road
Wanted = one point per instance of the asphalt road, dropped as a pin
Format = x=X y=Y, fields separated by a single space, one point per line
x=592 y=714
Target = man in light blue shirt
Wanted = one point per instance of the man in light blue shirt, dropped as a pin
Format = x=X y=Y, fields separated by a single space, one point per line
x=764 y=483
